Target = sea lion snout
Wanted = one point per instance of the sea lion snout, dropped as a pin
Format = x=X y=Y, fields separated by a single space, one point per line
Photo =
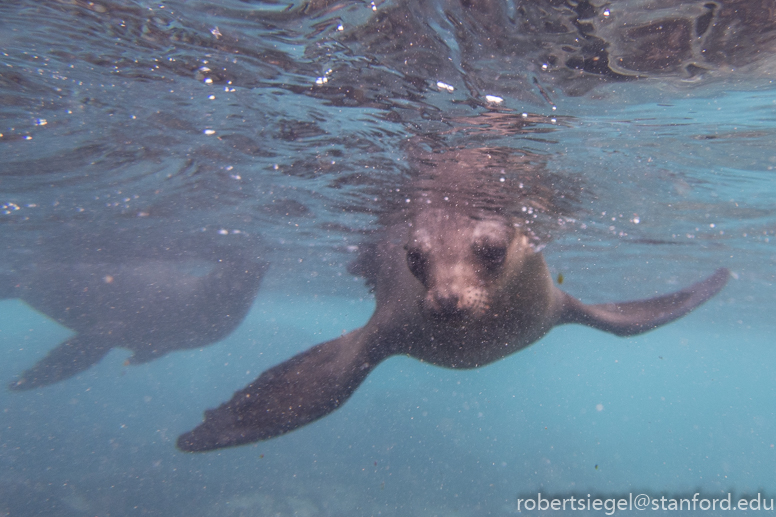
x=456 y=306
x=444 y=306
x=447 y=304
x=458 y=259
x=454 y=285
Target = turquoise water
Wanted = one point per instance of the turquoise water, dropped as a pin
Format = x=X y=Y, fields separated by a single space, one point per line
x=113 y=147
x=677 y=411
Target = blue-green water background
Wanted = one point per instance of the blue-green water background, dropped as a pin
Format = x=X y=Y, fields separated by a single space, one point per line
x=104 y=126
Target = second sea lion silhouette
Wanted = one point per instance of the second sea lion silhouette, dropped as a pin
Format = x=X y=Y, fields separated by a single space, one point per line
x=151 y=307
x=456 y=285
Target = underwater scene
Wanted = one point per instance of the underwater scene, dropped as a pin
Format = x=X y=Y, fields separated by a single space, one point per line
x=387 y=258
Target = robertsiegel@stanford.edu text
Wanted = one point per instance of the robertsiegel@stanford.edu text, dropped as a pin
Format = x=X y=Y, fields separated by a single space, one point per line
x=610 y=505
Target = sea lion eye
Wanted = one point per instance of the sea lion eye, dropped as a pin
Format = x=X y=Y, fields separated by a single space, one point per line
x=417 y=262
x=491 y=255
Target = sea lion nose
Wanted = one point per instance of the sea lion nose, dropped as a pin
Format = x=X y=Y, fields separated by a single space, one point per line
x=448 y=303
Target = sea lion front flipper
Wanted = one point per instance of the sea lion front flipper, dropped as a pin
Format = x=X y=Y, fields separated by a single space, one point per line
x=307 y=387
x=71 y=357
x=636 y=317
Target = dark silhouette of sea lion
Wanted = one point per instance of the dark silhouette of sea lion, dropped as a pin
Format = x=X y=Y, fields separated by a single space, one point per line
x=456 y=286
x=151 y=307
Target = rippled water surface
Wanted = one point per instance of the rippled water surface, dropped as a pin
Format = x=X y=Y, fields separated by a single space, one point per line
x=635 y=138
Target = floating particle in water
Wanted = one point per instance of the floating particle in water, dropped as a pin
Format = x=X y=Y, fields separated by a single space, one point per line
x=493 y=99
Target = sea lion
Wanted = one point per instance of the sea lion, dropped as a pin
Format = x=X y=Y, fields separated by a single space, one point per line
x=151 y=307
x=454 y=287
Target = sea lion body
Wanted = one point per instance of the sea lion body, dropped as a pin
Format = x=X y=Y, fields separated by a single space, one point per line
x=454 y=287
x=151 y=307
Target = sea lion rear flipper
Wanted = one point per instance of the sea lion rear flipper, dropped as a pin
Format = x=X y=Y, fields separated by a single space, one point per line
x=71 y=357
x=307 y=387
x=636 y=317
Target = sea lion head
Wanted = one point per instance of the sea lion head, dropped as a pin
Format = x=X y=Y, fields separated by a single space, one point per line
x=463 y=261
